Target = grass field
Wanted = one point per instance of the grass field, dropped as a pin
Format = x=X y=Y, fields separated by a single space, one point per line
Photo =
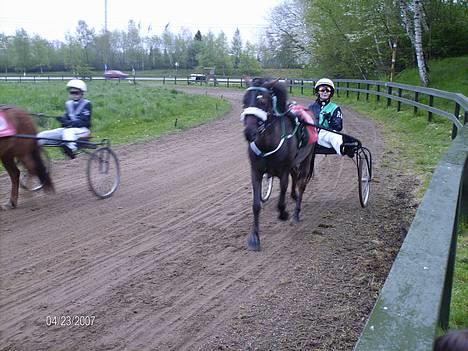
x=121 y=112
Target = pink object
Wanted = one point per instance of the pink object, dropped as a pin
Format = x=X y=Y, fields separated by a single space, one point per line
x=305 y=115
x=6 y=129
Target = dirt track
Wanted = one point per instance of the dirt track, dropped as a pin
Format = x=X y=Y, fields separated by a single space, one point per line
x=163 y=265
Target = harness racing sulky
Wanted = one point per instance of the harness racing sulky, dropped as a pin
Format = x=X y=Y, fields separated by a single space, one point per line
x=29 y=165
x=282 y=139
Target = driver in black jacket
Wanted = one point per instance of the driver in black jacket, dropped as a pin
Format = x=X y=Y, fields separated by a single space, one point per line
x=76 y=121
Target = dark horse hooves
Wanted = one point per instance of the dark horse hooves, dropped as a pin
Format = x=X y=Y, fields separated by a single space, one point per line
x=284 y=215
x=253 y=243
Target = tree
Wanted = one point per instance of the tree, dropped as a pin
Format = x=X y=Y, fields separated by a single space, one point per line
x=288 y=35
x=248 y=64
x=413 y=18
x=215 y=53
x=236 y=48
x=42 y=52
x=22 y=50
x=86 y=38
x=6 y=52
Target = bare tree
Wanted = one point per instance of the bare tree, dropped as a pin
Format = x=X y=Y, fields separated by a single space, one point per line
x=413 y=19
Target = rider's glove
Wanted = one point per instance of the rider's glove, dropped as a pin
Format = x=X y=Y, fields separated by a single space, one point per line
x=64 y=121
x=327 y=116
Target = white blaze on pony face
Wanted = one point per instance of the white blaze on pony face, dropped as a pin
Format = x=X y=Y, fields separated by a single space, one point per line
x=257 y=112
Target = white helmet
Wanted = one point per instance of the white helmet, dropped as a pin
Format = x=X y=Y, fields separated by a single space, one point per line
x=76 y=83
x=325 y=81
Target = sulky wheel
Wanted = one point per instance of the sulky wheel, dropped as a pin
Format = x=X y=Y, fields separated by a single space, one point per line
x=364 y=166
x=103 y=172
x=266 y=187
x=32 y=183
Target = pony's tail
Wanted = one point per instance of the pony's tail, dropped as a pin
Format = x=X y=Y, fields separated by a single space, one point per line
x=41 y=170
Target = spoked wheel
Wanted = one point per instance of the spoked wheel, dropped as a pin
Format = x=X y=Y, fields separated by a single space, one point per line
x=32 y=183
x=267 y=186
x=103 y=172
x=364 y=166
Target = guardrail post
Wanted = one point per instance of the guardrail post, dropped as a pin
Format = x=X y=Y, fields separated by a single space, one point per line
x=367 y=94
x=416 y=99
x=347 y=87
x=431 y=103
x=447 y=289
x=359 y=87
x=164 y=80
x=290 y=86
x=175 y=80
x=378 y=95
x=228 y=82
x=457 y=116
x=389 y=100
x=399 y=102
x=302 y=87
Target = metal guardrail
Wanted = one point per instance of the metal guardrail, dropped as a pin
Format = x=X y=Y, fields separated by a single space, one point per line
x=415 y=299
x=401 y=93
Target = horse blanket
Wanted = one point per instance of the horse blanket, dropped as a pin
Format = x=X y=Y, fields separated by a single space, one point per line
x=6 y=129
x=305 y=115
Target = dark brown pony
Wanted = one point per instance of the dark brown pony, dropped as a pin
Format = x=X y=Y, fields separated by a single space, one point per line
x=25 y=150
x=273 y=148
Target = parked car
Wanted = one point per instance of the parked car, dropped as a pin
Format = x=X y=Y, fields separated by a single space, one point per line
x=114 y=74
x=196 y=77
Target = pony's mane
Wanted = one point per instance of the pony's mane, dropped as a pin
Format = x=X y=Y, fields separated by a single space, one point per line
x=279 y=89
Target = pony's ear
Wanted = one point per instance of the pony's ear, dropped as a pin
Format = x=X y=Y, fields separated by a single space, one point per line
x=270 y=84
x=248 y=81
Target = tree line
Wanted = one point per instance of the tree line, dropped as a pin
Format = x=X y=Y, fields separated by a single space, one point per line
x=342 y=38
x=133 y=48
x=370 y=38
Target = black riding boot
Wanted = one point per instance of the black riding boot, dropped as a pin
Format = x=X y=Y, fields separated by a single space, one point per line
x=349 y=146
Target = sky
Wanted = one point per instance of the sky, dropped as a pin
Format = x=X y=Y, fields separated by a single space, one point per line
x=53 y=19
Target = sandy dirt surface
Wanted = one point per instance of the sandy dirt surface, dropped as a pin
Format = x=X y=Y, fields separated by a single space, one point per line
x=163 y=264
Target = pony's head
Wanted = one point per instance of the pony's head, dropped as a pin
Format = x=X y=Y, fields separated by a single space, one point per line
x=263 y=100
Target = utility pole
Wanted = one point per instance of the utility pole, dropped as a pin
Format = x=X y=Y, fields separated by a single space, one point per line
x=105 y=16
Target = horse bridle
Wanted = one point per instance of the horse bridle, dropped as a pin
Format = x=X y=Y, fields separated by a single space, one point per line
x=262 y=124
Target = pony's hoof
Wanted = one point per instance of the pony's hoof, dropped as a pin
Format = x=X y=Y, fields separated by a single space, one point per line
x=253 y=244
x=295 y=220
x=8 y=206
x=284 y=216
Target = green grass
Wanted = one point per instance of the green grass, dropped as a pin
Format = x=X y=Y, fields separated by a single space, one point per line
x=449 y=74
x=459 y=307
x=122 y=112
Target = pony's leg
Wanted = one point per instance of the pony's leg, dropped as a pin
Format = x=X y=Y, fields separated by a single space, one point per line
x=14 y=173
x=297 y=210
x=303 y=175
x=253 y=240
x=293 y=184
x=283 y=214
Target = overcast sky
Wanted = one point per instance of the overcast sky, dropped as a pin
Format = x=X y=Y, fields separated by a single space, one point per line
x=52 y=19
